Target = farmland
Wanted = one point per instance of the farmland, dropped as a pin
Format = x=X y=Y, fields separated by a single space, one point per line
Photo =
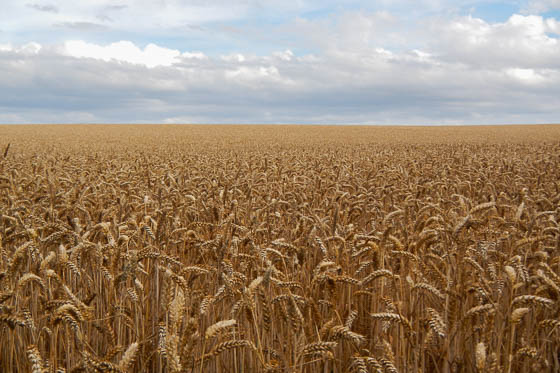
x=279 y=249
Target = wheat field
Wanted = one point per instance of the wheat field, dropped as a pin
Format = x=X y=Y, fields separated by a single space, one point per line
x=279 y=249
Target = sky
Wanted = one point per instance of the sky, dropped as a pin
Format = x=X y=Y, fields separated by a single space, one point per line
x=401 y=62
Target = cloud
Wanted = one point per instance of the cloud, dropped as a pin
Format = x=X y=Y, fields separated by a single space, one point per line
x=349 y=30
x=81 y=26
x=521 y=41
x=385 y=23
x=104 y=18
x=541 y=6
x=528 y=76
x=344 y=66
x=25 y=49
x=143 y=18
x=121 y=82
x=43 y=8
x=104 y=14
x=125 y=51
x=115 y=7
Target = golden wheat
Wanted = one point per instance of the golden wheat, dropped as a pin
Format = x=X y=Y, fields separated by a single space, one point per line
x=279 y=249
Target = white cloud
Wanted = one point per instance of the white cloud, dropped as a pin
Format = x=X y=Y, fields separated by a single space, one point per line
x=28 y=48
x=552 y=26
x=125 y=51
x=235 y=57
x=521 y=41
x=194 y=55
x=286 y=55
x=251 y=75
x=528 y=76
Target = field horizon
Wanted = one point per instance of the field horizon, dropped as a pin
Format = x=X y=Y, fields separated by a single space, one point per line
x=328 y=133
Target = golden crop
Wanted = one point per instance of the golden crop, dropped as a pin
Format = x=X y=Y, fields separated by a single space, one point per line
x=279 y=249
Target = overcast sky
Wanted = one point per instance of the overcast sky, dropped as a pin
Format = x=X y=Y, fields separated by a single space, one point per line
x=280 y=61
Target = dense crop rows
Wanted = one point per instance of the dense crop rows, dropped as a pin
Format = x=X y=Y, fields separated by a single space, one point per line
x=279 y=249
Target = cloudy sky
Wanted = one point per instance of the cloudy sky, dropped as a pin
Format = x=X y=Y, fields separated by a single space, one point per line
x=280 y=61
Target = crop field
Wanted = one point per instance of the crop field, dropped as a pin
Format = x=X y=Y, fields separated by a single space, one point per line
x=279 y=249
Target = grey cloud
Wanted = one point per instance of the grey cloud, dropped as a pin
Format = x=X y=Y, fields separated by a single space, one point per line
x=104 y=15
x=461 y=70
x=116 y=7
x=104 y=18
x=192 y=27
x=541 y=6
x=81 y=26
x=50 y=87
x=43 y=8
